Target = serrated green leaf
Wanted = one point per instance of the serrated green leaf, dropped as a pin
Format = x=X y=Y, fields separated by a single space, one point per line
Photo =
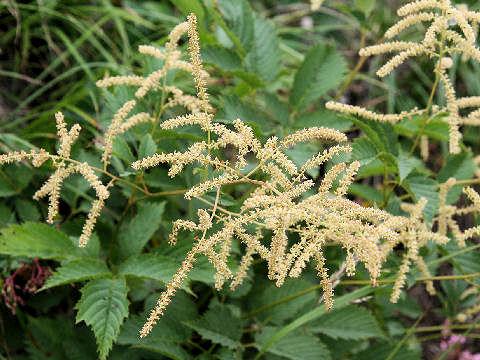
x=190 y=6
x=323 y=118
x=221 y=57
x=461 y=167
x=405 y=165
x=297 y=346
x=6 y=187
x=435 y=129
x=6 y=216
x=420 y=186
x=103 y=306
x=219 y=325
x=169 y=327
x=382 y=135
x=37 y=240
x=234 y=108
x=366 y=192
x=165 y=348
x=340 y=302
x=390 y=161
x=366 y=6
x=363 y=151
x=238 y=21
x=351 y=322
x=27 y=210
x=322 y=69
x=147 y=147
x=263 y=59
x=141 y=228
x=382 y=350
x=270 y=293
x=149 y=266
x=75 y=271
x=122 y=150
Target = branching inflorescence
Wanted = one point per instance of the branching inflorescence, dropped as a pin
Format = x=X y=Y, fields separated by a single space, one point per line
x=286 y=218
x=450 y=32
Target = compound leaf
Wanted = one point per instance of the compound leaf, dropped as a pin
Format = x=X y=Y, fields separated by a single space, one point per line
x=77 y=270
x=350 y=323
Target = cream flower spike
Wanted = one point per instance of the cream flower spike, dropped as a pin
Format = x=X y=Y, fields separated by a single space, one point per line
x=440 y=43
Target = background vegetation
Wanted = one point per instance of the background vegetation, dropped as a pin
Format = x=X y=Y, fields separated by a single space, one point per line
x=273 y=64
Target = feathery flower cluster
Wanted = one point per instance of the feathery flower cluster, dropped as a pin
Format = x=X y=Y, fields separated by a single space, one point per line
x=450 y=32
x=65 y=166
x=280 y=203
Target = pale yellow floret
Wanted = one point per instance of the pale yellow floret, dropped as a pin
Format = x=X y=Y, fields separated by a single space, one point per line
x=94 y=213
x=399 y=59
x=407 y=22
x=386 y=48
x=367 y=114
x=313 y=133
x=152 y=51
x=132 y=80
x=424 y=152
x=316 y=4
x=115 y=129
x=416 y=6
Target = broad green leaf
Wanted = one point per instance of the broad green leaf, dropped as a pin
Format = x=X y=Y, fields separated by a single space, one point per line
x=340 y=302
x=219 y=325
x=169 y=328
x=382 y=135
x=165 y=348
x=77 y=270
x=351 y=323
x=322 y=70
x=27 y=210
x=269 y=293
x=147 y=147
x=6 y=186
x=141 y=228
x=301 y=153
x=467 y=261
x=37 y=240
x=238 y=19
x=420 y=186
x=253 y=80
x=297 y=346
x=405 y=165
x=234 y=108
x=190 y=6
x=366 y=6
x=459 y=166
x=103 y=306
x=6 y=216
x=363 y=151
x=381 y=351
x=122 y=150
x=323 y=118
x=221 y=57
x=277 y=107
x=149 y=266
x=436 y=128
x=263 y=59
x=390 y=161
x=366 y=192
x=56 y=338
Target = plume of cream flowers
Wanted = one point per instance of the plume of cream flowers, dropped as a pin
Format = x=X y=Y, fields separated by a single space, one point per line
x=280 y=203
x=450 y=32
x=65 y=166
x=287 y=219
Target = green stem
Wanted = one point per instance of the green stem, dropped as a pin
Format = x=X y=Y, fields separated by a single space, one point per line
x=426 y=116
